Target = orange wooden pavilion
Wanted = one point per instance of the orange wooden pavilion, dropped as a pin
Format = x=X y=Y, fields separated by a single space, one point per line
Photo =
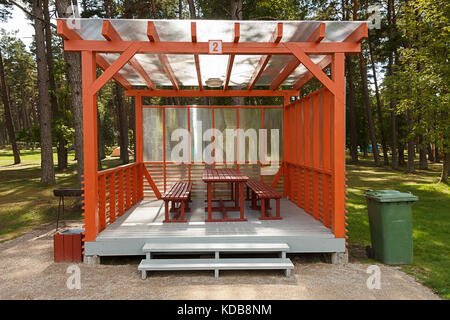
x=160 y=58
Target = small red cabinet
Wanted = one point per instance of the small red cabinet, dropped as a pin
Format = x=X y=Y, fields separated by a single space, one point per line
x=68 y=246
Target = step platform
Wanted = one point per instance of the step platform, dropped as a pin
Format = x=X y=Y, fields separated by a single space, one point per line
x=216 y=264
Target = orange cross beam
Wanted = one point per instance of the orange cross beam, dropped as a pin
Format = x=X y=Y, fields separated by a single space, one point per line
x=357 y=36
x=316 y=36
x=275 y=38
x=237 y=35
x=70 y=34
x=197 y=62
x=154 y=37
x=110 y=34
x=308 y=76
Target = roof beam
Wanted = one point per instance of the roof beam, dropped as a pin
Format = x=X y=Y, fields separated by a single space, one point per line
x=110 y=34
x=70 y=34
x=237 y=35
x=154 y=37
x=359 y=34
x=197 y=62
x=275 y=38
x=212 y=93
x=242 y=48
x=316 y=36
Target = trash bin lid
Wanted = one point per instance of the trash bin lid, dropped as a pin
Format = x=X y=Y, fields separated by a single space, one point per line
x=390 y=196
x=72 y=231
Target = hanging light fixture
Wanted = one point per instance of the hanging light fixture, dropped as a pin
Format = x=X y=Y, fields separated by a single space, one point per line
x=214 y=82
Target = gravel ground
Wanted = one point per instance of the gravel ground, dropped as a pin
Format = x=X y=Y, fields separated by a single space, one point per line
x=27 y=271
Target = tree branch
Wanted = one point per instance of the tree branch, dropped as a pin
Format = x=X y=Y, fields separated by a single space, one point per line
x=30 y=13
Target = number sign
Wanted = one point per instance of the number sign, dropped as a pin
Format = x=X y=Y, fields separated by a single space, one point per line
x=215 y=46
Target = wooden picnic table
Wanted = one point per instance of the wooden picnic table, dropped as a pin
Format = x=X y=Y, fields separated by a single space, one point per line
x=237 y=181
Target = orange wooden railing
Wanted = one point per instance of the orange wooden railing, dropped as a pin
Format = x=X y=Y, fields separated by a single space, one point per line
x=307 y=166
x=118 y=190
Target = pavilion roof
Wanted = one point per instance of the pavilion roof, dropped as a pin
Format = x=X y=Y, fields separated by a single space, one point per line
x=155 y=70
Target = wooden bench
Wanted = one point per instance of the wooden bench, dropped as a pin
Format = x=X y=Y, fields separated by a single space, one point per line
x=179 y=193
x=263 y=192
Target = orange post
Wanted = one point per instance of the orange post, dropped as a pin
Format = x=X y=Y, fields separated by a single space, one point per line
x=90 y=146
x=338 y=163
x=315 y=146
x=326 y=157
x=139 y=147
x=307 y=137
x=285 y=146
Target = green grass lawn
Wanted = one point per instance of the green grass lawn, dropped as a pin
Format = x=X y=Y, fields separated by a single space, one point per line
x=26 y=204
x=431 y=219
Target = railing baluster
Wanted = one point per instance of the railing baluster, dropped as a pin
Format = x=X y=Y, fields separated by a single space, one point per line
x=121 y=192
x=102 y=202
x=112 y=197
x=128 y=189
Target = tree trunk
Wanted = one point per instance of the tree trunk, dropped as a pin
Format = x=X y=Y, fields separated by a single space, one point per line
x=352 y=115
x=423 y=165
x=155 y=14
x=236 y=9
x=411 y=145
x=62 y=154
x=49 y=56
x=2 y=135
x=192 y=13
x=48 y=171
x=380 y=116
x=351 y=100
x=437 y=158
x=100 y=146
x=139 y=9
x=73 y=60
x=366 y=98
x=373 y=140
x=123 y=125
x=8 y=117
x=430 y=152
x=445 y=168
x=132 y=125
x=401 y=154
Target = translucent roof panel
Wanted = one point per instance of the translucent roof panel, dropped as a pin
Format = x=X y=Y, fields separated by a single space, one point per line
x=213 y=66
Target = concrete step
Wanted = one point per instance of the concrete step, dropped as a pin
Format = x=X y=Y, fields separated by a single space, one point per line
x=215 y=264
x=214 y=247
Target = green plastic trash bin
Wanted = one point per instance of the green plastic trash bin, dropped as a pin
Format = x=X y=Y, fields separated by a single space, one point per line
x=390 y=221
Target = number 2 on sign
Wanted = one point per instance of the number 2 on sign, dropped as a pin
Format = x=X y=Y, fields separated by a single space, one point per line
x=215 y=46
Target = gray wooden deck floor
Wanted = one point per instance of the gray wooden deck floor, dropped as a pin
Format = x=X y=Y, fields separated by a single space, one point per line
x=143 y=224
x=145 y=221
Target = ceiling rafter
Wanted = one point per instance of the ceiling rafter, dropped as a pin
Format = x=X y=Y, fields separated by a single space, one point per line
x=237 y=35
x=154 y=37
x=196 y=59
x=275 y=38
